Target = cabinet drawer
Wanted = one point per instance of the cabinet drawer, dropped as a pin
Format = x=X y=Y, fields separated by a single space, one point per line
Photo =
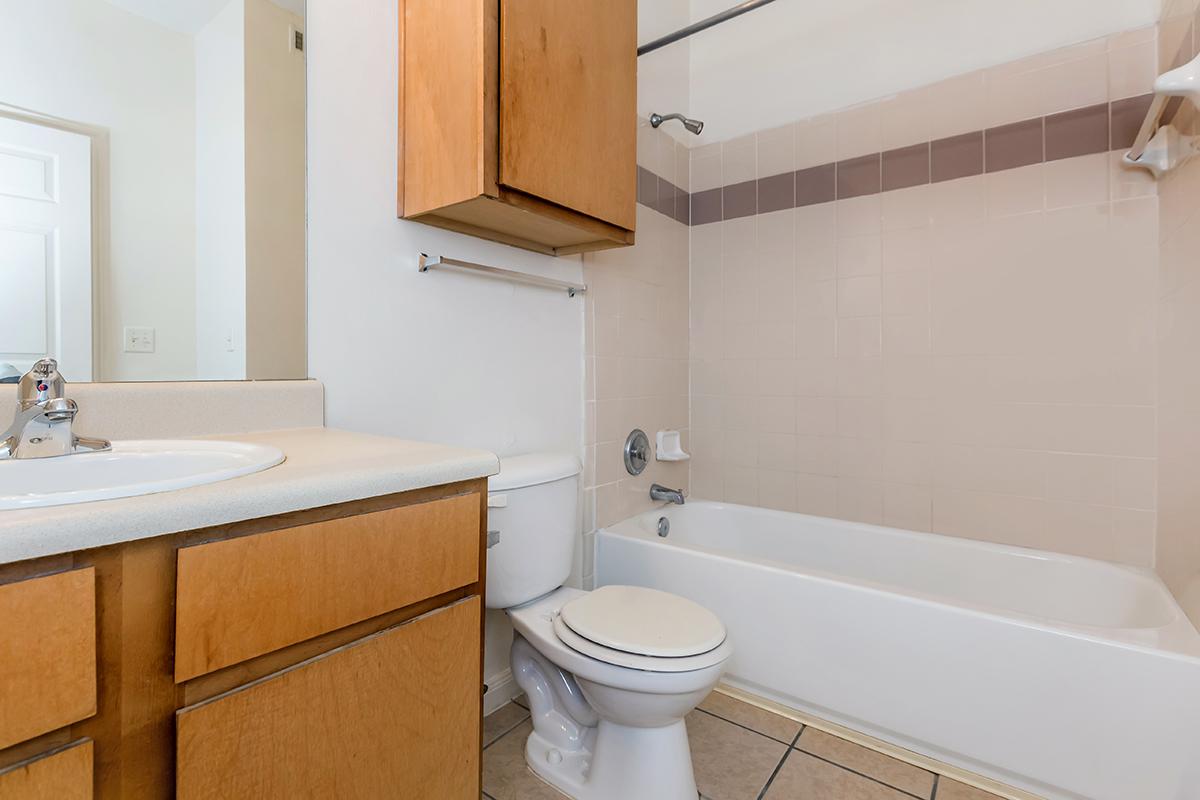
x=47 y=654
x=241 y=598
x=65 y=774
x=396 y=714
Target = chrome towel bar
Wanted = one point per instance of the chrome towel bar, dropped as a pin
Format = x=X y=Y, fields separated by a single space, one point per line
x=427 y=262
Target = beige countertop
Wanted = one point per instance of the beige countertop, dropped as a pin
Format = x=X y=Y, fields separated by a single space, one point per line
x=323 y=467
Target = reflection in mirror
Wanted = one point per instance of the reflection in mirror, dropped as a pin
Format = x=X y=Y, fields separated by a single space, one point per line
x=152 y=215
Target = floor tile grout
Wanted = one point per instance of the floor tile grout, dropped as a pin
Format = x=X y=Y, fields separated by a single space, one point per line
x=789 y=747
x=747 y=727
x=779 y=766
x=506 y=732
x=863 y=774
x=792 y=745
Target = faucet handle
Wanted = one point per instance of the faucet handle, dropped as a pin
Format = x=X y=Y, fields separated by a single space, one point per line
x=43 y=382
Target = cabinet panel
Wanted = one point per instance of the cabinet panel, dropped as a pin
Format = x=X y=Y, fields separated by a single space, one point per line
x=65 y=774
x=244 y=597
x=448 y=117
x=568 y=104
x=47 y=654
x=396 y=714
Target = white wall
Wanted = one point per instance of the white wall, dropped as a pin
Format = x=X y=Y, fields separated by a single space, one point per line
x=86 y=61
x=446 y=357
x=663 y=74
x=793 y=59
x=221 y=196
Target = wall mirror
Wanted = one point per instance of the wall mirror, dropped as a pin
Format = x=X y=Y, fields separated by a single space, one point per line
x=152 y=188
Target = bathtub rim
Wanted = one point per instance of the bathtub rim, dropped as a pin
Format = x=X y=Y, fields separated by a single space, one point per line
x=1184 y=639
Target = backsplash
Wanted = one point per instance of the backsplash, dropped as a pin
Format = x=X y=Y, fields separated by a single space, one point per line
x=938 y=311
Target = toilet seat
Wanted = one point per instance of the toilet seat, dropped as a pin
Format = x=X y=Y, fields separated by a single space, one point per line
x=621 y=658
x=644 y=621
x=644 y=629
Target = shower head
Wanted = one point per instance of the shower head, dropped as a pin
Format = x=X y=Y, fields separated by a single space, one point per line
x=692 y=125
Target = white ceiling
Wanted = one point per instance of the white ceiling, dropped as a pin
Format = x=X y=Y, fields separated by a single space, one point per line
x=795 y=58
x=188 y=16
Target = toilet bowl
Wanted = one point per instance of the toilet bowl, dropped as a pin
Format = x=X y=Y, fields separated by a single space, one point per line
x=610 y=674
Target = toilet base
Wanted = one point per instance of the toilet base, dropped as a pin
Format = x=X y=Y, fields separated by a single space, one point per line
x=622 y=762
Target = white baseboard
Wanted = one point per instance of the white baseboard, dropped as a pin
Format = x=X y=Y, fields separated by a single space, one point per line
x=501 y=689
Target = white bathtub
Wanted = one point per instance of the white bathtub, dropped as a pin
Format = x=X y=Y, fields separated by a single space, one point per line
x=1064 y=676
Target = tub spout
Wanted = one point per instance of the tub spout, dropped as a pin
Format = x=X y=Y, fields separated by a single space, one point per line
x=660 y=493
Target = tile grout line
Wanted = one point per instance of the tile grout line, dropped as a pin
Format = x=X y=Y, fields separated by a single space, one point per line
x=779 y=766
x=746 y=727
x=506 y=732
x=864 y=775
x=793 y=746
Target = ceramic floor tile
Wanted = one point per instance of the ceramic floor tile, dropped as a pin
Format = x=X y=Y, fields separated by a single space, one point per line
x=501 y=721
x=751 y=717
x=953 y=790
x=805 y=777
x=505 y=775
x=870 y=763
x=731 y=763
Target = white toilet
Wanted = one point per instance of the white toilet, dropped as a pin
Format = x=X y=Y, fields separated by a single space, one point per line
x=609 y=674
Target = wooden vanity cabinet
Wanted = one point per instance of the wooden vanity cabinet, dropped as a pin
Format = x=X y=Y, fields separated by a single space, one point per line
x=518 y=120
x=335 y=652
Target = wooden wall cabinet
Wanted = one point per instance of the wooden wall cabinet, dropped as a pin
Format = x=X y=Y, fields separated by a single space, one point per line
x=518 y=120
x=335 y=652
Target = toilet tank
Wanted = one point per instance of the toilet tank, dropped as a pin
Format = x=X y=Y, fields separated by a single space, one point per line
x=533 y=504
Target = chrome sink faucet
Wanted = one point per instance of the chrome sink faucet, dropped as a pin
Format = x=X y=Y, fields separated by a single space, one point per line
x=659 y=493
x=41 y=427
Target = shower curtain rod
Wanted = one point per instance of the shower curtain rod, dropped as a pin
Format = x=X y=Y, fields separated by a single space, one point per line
x=704 y=24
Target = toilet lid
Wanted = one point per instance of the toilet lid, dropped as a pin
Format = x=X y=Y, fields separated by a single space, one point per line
x=644 y=622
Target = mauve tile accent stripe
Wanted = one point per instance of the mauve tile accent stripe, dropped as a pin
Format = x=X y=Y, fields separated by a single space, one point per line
x=666 y=197
x=857 y=177
x=1126 y=117
x=1077 y=133
x=905 y=167
x=739 y=200
x=683 y=208
x=1015 y=145
x=956 y=157
x=647 y=187
x=816 y=185
x=706 y=206
x=776 y=193
x=1084 y=131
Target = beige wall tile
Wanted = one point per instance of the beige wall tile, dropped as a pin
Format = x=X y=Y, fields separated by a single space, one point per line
x=859 y=131
x=1077 y=181
x=816 y=142
x=905 y=118
x=975 y=357
x=1132 y=66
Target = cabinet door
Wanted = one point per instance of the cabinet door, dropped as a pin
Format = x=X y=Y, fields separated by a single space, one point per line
x=396 y=714
x=65 y=774
x=47 y=654
x=568 y=104
x=247 y=596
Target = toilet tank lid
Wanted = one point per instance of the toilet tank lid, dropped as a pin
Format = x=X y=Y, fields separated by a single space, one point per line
x=517 y=472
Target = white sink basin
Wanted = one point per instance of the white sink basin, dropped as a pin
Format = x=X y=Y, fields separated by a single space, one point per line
x=130 y=468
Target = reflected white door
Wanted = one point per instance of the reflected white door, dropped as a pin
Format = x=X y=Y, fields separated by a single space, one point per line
x=45 y=247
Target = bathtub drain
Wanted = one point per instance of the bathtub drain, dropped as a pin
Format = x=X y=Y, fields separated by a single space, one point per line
x=664 y=526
